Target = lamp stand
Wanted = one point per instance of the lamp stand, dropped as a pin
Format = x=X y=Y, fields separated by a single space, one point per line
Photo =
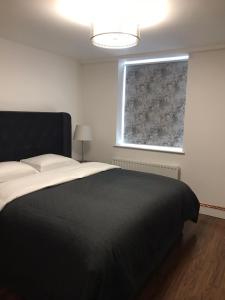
x=82 y=147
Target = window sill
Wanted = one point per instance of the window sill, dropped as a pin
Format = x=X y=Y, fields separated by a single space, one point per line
x=151 y=148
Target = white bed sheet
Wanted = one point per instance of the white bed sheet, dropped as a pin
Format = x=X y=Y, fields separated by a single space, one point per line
x=13 y=189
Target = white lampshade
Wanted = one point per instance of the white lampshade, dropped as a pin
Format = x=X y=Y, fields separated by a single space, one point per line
x=82 y=133
x=115 y=35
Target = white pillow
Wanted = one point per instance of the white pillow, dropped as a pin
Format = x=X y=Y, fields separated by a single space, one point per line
x=14 y=169
x=48 y=162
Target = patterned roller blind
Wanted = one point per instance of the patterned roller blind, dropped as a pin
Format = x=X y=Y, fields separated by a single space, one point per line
x=154 y=103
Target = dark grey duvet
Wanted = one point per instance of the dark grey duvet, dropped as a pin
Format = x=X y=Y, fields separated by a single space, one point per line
x=95 y=238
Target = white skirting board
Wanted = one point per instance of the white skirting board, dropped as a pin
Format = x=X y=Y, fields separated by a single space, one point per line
x=212 y=212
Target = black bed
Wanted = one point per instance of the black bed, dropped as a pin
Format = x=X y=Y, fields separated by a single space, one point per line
x=95 y=238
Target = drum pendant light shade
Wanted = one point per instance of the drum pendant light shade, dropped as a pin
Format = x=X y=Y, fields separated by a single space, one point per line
x=115 y=36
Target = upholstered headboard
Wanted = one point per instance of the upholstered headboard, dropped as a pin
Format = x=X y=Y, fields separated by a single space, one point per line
x=26 y=134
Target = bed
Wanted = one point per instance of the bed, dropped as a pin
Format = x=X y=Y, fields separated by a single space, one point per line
x=96 y=237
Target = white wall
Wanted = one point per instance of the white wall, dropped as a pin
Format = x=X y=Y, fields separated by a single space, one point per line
x=36 y=80
x=203 y=165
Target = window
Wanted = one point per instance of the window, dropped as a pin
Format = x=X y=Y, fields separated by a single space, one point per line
x=152 y=105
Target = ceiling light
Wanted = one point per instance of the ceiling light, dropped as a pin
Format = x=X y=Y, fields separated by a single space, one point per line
x=115 y=35
x=115 y=24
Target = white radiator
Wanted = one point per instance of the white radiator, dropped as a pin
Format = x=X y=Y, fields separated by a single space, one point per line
x=160 y=169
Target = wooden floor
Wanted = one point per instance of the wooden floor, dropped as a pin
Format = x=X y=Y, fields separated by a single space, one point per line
x=194 y=270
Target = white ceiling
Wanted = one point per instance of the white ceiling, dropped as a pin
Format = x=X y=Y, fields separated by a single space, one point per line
x=190 y=24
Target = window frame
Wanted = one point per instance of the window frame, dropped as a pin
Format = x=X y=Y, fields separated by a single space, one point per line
x=122 y=98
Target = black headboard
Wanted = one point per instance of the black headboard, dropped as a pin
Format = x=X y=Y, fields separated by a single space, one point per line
x=26 y=134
